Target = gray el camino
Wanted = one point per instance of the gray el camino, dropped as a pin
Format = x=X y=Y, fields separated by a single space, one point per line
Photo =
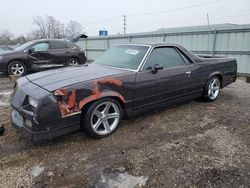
x=126 y=80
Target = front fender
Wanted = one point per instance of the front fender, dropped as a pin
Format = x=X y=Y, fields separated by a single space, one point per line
x=100 y=96
x=73 y=100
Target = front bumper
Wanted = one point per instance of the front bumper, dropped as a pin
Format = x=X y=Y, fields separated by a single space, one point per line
x=44 y=122
x=18 y=122
x=3 y=67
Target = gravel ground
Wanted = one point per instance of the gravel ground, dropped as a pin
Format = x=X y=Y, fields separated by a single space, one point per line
x=195 y=144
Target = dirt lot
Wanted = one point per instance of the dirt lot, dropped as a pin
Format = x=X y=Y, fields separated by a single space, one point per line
x=195 y=144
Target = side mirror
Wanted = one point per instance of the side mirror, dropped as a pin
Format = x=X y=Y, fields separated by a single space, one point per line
x=156 y=67
x=31 y=50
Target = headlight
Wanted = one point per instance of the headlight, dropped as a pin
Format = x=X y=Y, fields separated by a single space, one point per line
x=33 y=102
x=28 y=123
x=1 y=57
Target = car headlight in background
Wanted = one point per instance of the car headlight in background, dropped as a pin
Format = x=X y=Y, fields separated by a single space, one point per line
x=33 y=102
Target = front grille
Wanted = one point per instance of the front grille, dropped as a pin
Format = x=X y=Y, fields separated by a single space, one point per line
x=19 y=117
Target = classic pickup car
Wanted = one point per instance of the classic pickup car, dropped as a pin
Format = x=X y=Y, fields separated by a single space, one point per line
x=125 y=81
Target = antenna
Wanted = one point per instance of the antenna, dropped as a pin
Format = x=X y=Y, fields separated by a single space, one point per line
x=124 y=24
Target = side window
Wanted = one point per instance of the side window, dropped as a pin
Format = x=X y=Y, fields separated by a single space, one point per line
x=58 y=45
x=166 y=56
x=40 y=47
x=70 y=45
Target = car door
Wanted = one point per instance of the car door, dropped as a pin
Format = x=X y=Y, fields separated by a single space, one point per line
x=170 y=83
x=60 y=52
x=39 y=55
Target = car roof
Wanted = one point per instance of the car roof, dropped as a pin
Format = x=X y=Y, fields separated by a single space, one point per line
x=191 y=55
x=50 y=39
x=153 y=44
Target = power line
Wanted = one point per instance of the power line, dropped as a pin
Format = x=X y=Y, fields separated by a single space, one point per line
x=151 y=13
x=183 y=17
x=165 y=11
x=196 y=21
x=104 y=20
x=177 y=9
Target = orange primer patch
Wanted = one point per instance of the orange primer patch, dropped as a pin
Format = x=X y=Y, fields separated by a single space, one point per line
x=71 y=106
x=97 y=94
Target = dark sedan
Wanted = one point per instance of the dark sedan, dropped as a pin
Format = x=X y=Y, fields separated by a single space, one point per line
x=41 y=55
x=127 y=80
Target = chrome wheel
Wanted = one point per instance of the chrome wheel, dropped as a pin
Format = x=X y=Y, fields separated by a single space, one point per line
x=73 y=62
x=17 y=69
x=213 y=88
x=105 y=118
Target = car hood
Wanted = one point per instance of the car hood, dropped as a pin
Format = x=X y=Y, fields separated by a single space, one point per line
x=58 y=78
x=9 y=52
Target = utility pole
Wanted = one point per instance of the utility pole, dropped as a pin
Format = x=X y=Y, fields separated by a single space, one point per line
x=208 y=26
x=124 y=24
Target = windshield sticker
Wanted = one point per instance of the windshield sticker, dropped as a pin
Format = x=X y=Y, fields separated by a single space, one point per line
x=133 y=52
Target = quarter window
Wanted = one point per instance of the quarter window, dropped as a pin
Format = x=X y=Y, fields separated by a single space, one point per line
x=40 y=47
x=185 y=58
x=58 y=45
x=166 y=56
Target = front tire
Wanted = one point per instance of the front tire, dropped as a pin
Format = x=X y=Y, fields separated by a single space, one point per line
x=102 y=118
x=212 y=89
x=17 y=68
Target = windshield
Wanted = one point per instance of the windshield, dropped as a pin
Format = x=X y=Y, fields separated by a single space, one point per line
x=123 y=56
x=23 y=47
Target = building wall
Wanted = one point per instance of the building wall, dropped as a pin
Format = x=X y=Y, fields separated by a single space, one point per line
x=231 y=41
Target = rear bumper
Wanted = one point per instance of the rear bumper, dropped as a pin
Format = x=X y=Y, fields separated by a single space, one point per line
x=42 y=135
x=82 y=59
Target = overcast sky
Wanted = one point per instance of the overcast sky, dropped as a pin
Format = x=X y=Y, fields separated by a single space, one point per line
x=142 y=15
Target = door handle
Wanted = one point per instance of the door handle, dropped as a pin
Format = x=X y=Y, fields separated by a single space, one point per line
x=188 y=73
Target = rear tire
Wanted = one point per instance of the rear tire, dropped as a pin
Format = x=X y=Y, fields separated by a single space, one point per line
x=72 y=62
x=17 y=68
x=212 y=89
x=101 y=118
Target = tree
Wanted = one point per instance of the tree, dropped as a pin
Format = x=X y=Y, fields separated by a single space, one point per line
x=42 y=28
x=73 y=28
x=48 y=27
x=34 y=34
x=5 y=37
x=19 y=40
